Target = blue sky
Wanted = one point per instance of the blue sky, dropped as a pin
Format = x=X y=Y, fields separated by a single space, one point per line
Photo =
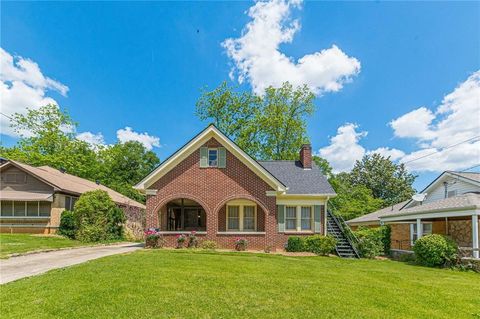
x=142 y=65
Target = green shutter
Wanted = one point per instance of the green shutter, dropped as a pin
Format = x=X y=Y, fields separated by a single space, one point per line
x=281 y=218
x=317 y=218
x=222 y=157
x=203 y=156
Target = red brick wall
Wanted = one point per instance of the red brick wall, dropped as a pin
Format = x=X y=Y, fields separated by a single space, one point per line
x=213 y=188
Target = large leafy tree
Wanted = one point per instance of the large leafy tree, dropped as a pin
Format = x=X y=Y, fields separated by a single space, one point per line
x=387 y=180
x=272 y=126
x=125 y=164
x=47 y=138
x=352 y=200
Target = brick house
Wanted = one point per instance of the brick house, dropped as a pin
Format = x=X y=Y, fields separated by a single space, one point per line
x=214 y=188
x=33 y=198
x=449 y=206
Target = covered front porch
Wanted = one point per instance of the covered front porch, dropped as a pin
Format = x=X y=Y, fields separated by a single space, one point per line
x=462 y=227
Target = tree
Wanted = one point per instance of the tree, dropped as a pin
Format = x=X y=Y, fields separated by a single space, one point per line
x=388 y=181
x=272 y=126
x=124 y=165
x=352 y=200
x=324 y=166
x=47 y=138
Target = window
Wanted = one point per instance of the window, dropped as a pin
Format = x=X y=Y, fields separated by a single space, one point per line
x=299 y=218
x=212 y=157
x=306 y=222
x=242 y=217
x=70 y=202
x=14 y=178
x=6 y=208
x=249 y=218
x=233 y=217
x=291 y=218
x=452 y=193
x=25 y=209
x=426 y=229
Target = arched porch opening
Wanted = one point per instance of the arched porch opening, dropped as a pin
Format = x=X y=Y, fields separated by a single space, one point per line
x=182 y=214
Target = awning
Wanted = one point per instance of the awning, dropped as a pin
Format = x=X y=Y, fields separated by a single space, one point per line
x=26 y=196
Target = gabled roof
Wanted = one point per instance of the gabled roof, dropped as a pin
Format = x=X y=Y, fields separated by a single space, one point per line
x=468 y=201
x=194 y=144
x=469 y=177
x=70 y=184
x=374 y=218
x=299 y=180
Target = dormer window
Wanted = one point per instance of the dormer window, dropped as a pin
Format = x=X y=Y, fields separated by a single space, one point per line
x=212 y=157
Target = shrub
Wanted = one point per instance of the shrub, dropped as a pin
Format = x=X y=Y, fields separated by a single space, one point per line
x=241 y=244
x=373 y=241
x=435 y=250
x=181 y=240
x=208 y=244
x=67 y=224
x=320 y=245
x=295 y=244
x=192 y=240
x=153 y=239
x=97 y=217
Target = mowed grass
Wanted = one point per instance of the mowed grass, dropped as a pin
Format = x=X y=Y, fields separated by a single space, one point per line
x=200 y=284
x=21 y=243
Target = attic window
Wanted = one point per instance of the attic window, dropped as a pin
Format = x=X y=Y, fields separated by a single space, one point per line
x=212 y=157
x=14 y=178
x=451 y=193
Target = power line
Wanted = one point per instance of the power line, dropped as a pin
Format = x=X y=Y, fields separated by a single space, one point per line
x=441 y=150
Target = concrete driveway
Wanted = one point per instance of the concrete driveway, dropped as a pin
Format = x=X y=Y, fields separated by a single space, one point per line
x=30 y=265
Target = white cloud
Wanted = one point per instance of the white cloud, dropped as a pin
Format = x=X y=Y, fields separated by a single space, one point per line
x=23 y=85
x=414 y=124
x=393 y=153
x=127 y=134
x=344 y=148
x=257 y=58
x=455 y=120
x=93 y=139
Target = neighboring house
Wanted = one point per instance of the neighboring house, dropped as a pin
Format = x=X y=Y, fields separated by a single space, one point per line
x=451 y=207
x=33 y=198
x=214 y=188
x=373 y=219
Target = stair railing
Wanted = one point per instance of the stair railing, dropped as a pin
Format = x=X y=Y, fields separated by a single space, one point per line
x=347 y=232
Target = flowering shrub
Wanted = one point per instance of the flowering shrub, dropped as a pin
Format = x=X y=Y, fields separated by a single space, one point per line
x=192 y=240
x=153 y=238
x=181 y=240
x=241 y=244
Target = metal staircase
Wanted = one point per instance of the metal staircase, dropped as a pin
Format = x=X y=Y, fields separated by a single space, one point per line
x=346 y=240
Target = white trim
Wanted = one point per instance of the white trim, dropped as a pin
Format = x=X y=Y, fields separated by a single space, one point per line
x=420 y=230
x=241 y=233
x=430 y=215
x=476 y=253
x=175 y=232
x=151 y=191
x=305 y=202
x=208 y=156
x=194 y=144
x=298 y=219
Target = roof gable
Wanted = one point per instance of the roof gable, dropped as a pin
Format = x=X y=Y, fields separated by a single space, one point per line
x=194 y=144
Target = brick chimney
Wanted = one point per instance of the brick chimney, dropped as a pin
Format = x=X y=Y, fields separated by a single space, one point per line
x=306 y=156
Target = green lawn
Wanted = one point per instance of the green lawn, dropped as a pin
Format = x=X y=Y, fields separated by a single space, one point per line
x=198 y=284
x=20 y=243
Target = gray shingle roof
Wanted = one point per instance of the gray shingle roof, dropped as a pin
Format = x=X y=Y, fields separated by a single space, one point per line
x=474 y=176
x=297 y=179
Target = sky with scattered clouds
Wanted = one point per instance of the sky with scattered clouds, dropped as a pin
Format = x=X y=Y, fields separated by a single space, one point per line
x=400 y=79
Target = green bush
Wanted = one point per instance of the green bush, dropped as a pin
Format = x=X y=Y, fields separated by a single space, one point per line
x=435 y=250
x=208 y=244
x=97 y=218
x=295 y=244
x=320 y=245
x=67 y=224
x=373 y=241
